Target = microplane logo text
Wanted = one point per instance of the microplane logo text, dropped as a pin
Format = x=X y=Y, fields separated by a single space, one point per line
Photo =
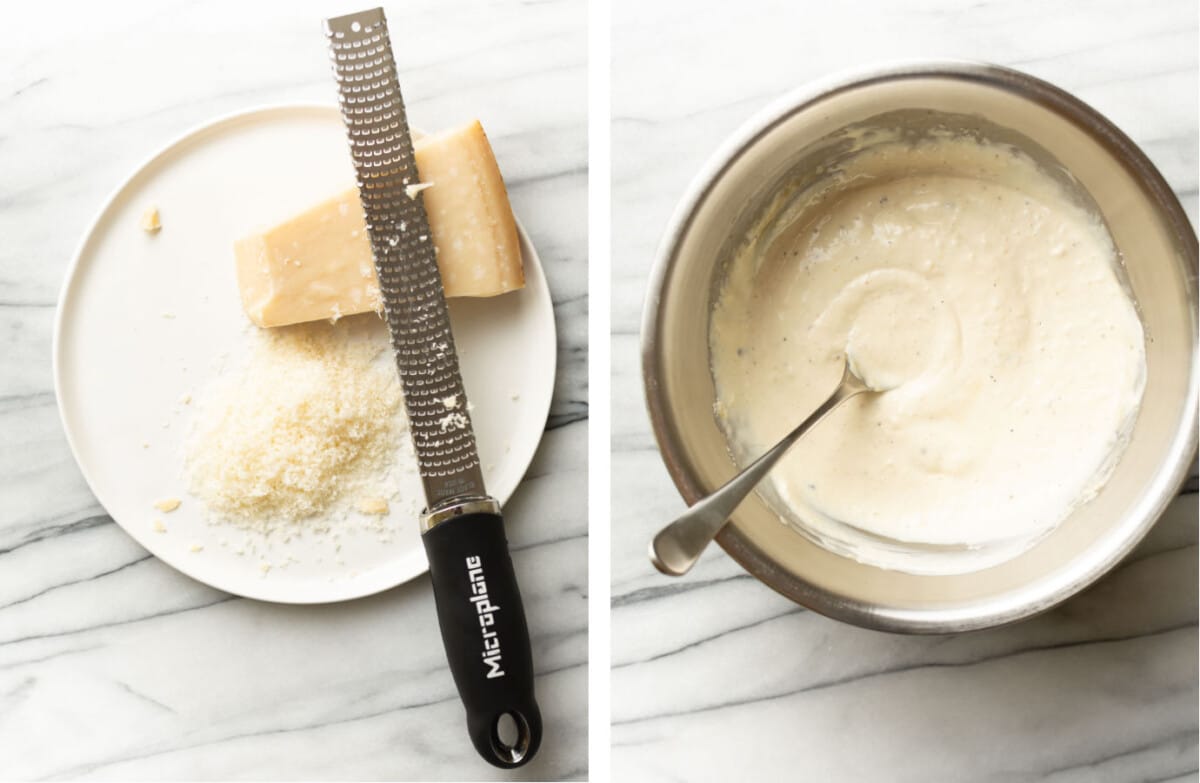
x=487 y=617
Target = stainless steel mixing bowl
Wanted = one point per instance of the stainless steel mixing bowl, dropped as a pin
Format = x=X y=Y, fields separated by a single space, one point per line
x=792 y=138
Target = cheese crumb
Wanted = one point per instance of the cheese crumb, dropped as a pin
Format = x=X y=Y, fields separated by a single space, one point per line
x=168 y=315
x=167 y=505
x=414 y=190
x=159 y=527
x=452 y=421
x=373 y=506
x=196 y=547
x=151 y=223
x=185 y=399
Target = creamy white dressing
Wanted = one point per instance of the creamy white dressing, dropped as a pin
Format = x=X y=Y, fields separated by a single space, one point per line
x=974 y=286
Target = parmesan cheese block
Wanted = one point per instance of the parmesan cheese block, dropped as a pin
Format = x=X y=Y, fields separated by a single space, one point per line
x=319 y=264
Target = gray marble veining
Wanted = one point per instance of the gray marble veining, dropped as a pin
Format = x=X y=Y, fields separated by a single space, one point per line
x=112 y=665
x=717 y=678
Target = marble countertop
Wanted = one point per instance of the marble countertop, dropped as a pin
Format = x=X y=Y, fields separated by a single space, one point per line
x=112 y=665
x=715 y=677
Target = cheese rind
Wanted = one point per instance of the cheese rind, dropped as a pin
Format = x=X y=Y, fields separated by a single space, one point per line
x=469 y=213
x=319 y=265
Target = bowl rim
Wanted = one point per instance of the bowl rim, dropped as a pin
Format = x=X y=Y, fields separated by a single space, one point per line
x=1006 y=607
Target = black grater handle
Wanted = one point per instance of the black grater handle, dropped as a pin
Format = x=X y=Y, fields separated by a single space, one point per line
x=485 y=635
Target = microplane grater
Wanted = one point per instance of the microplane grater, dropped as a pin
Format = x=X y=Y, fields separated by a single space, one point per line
x=405 y=257
x=474 y=586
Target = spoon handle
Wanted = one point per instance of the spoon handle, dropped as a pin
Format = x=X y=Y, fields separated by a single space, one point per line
x=678 y=546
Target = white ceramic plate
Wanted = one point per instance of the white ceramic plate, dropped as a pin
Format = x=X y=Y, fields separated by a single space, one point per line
x=121 y=367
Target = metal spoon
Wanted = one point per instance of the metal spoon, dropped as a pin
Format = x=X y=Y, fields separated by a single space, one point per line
x=678 y=546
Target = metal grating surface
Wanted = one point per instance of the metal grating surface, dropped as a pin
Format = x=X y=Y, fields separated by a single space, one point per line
x=405 y=258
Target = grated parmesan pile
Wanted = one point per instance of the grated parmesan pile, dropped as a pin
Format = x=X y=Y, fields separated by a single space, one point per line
x=310 y=427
